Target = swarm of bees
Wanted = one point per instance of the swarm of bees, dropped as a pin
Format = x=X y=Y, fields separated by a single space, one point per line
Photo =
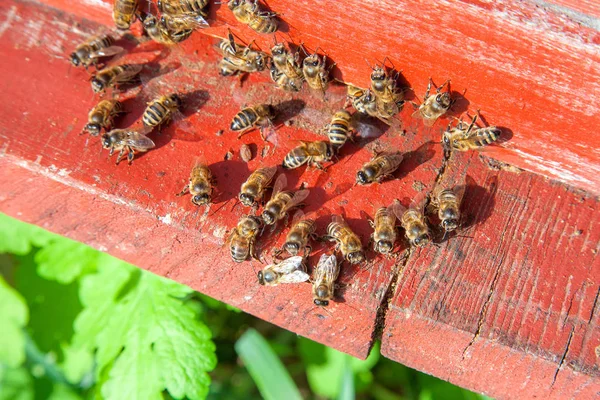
x=173 y=22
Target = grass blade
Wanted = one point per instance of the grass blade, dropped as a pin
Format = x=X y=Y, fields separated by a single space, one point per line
x=347 y=384
x=267 y=371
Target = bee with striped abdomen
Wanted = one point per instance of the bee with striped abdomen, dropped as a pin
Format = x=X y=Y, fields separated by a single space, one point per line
x=381 y=166
x=114 y=76
x=297 y=238
x=434 y=107
x=285 y=62
x=200 y=185
x=311 y=153
x=387 y=97
x=248 y=12
x=252 y=117
x=339 y=129
x=284 y=82
x=325 y=274
x=290 y=270
x=447 y=203
x=126 y=141
x=364 y=101
x=471 y=137
x=243 y=237
x=89 y=52
x=281 y=201
x=384 y=224
x=124 y=12
x=160 y=110
x=254 y=188
x=102 y=116
x=347 y=242
x=414 y=223
x=196 y=9
x=238 y=58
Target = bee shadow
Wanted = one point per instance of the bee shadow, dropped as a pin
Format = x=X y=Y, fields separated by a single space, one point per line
x=287 y=110
x=478 y=202
x=229 y=176
x=460 y=104
x=193 y=101
x=413 y=159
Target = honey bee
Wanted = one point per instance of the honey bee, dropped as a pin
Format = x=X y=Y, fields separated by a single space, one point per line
x=285 y=62
x=242 y=239
x=470 y=138
x=414 y=223
x=200 y=185
x=347 y=242
x=284 y=82
x=248 y=12
x=114 y=76
x=447 y=204
x=89 y=52
x=253 y=189
x=190 y=8
x=167 y=30
x=159 y=111
x=311 y=153
x=381 y=166
x=124 y=13
x=434 y=107
x=298 y=237
x=252 y=117
x=315 y=72
x=364 y=101
x=180 y=27
x=102 y=116
x=126 y=141
x=326 y=273
x=339 y=130
x=291 y=270
x=281 y=201
x=388 y=100
x=384 y=225
x=237 y=58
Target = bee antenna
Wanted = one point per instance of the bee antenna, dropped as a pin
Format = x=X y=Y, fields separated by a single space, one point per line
x=224 y=203
x=235 y=204
x=369 y=65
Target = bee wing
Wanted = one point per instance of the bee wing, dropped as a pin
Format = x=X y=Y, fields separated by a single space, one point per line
x=298 y=198
x=289 y=265
x=418 y=202
x=417 y=114
x=294 y=277
x=391 y=210
x=199 y=161
x=298 y=216
x=398 y=209
x=131 y=72
x=459 y=192
x=339 y=219
x=139 y=141
x=269 y=172
x=107 y=52
x=328 y=264
x=429 y=121
x=280 y=183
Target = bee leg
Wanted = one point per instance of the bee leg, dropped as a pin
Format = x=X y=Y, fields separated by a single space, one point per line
x=120 y=155
x=130 y=156
x=185 y=189
x=111 y=152
x=428 y=89
x=443 y=84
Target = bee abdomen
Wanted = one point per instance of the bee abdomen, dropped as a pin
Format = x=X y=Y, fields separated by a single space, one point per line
x=244 y=119
x=295 y=158
x=155 y=114
x=487 y=136
x=263 y=24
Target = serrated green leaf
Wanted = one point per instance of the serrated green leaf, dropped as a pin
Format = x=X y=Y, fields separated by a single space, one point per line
x=65 y=260
x=77 y=363
x=15 y=384
x=269 y=374
x=18 y=237
x=13 y=318
x=146 y=338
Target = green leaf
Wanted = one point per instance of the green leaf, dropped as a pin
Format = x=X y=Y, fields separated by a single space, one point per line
x=65 y=260
x=18 y=237
x=147 y=339
x=63 y=392
x=269 y=374
x=15 y=384
x=347 y=386
x=13 y=318
x=325 y=367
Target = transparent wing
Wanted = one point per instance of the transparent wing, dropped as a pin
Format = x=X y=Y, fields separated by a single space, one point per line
x=288 y=265
x=107 y=52
x=130 y=73
x=269 y=173
x=199 y=161
x=280 y=183
x=294 y=277
x=459 y=191
x=298 y=216
x=417 y=114
x=329 y=265
x=392 y=211
x=398 y=209
x=339 y=220
x=139 y=141
x=418 y=202
x=298 y=198
x=429 y=121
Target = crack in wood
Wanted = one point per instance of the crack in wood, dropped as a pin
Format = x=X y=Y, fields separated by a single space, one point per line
x=594 y=306
x=562 y=359
x=483 y=312
x=384 y=305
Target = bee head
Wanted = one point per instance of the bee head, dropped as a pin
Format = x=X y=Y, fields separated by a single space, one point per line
x=311 y=61
x=292 y=248
x=266 y=277
x=75 y=59
x=107 y=141
x=422 y=240
x=97 y=85
x=259 y=61
x=384 y=246
x=321 y=303
x=362 y=178
x=443 y=99
x=356 y=257
x=175 y=100
x=201 y=199
x=268 y=217
x=233 y=4
x=450 y=224
x=93 y=129
x=247 y=199
x=446 y=140
x=150 y=21
x=293 y=85
x=329 y=151
x=278 y=50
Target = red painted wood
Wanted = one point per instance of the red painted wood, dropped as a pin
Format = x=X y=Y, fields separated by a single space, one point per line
x=52 y=177
x=528 y=67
